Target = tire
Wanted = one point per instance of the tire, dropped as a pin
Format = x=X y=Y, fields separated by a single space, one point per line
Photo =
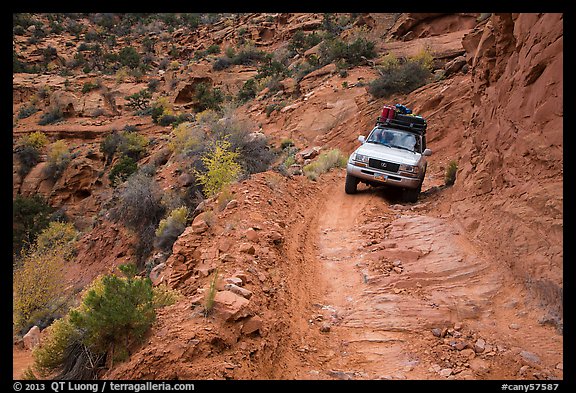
x=351 y=185
x=411 y=194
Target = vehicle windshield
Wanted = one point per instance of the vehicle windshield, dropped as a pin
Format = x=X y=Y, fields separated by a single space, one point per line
x=395 y=138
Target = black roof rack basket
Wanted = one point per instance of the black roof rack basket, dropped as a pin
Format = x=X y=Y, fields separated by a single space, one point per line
x=402 y=125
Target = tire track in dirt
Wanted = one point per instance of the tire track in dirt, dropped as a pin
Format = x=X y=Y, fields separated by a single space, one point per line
x=374 y=278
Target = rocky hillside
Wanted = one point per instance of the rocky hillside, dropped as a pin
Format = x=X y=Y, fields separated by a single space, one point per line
x=287 y=87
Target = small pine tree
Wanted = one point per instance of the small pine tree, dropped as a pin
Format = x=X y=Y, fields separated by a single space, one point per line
x=115 y=312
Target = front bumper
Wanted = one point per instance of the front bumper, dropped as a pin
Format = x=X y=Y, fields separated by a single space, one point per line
x=377 y=176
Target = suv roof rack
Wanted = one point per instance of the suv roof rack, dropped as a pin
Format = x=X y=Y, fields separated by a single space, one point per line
x=402 y=125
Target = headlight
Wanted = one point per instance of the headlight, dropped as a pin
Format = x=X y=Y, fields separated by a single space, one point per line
x=409 y=168
x=361 y=158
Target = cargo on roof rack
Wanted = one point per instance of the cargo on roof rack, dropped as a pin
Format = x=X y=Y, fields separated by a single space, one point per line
x=414 y=124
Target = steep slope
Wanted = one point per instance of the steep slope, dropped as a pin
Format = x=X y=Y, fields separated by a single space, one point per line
x=467 y=283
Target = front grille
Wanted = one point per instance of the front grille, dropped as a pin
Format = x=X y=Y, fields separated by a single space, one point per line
x=383 y=165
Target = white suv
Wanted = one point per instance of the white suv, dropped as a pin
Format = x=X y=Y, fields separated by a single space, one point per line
x=391 y=155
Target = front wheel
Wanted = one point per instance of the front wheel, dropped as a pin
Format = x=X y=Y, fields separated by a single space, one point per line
x=351 y=185
x=411 y=195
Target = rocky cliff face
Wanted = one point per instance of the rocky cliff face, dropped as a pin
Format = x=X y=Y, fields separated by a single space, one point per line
x=510 y=189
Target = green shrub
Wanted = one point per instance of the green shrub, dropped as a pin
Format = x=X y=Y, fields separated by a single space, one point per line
x=450 y=174
x=402 y=79
x=129 y=57
x=171 y=227
x=115 y=313
x=301 y=42
x=122 y=170
x=207 y=97
x=89 y=86
x=222 y=168
x=353 y=54
x=331 y=159
x=140 y=100
x=248 y=90
x=30 y=215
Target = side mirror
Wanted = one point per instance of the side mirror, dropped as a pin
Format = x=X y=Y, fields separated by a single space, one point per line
x=361 y=138
x=427 y=152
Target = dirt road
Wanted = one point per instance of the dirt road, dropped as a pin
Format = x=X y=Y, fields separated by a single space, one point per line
x=388 y=290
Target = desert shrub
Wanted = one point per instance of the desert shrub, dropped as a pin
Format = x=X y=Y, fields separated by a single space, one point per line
x=139 y=203
x=211 y=294
x=402 y=79
x=52 y=116
x=36 y=140
x=186 y=138
x=139 y=207
x=129 y=57
x=389 y=61
x=207 y=97
x=450 y=174
x=122 y=170
x=115 y=313
x=222 y=168
x=153 y=84
x=133 y=145
x=332 y=50
x=58 y=159
x=424 y=57
x=254 y=154
x=248 y=91
x=30 y=215
x=89 y=86
x=171 y=227
x=110 y=144
x=285 y=143
x=28 y=158
x=128 y=143
x=50 y=357
x=326 y=161
x=166 y=120
x=301 y=42
x=164 y=296
x=37 y=282
x=140 y=100
x=249 y=55
x=58 y=234
x=27 y=111
x=221 y=63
